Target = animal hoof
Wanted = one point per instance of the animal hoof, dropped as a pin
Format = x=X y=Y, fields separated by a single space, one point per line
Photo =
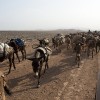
x=78 y=67
x=38 y=86
x=44 y=71
x=7 y=73
x=14 y=68
x=36 y=76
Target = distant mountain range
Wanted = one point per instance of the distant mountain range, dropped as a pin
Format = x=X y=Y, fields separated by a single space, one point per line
x=69 y=30
x=63 y=31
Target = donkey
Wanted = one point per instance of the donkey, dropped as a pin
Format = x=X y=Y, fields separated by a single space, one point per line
x=97 y=39
x=77 y=49
x=57 y=41
x=68 y=41
x=18 y=45
x=41 y=56
x=7 y=53
x=97 y=46
x=91 y=44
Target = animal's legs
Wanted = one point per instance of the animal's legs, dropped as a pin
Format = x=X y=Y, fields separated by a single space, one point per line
x=92 y=53
x=13 y=61
x=46 y=67
x=10 y=64
x=17 y=56
x=39 y=71
x=22 y=55
x=88 y=52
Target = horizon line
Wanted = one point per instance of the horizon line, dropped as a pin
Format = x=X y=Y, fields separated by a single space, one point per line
x=47 y=29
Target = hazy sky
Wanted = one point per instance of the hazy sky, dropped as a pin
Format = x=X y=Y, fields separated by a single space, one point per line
x=49 y=14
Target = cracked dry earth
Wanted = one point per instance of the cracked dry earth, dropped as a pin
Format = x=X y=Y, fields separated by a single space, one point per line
x=62 y=81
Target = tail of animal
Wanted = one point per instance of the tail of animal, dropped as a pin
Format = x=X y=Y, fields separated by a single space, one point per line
x=35 y=64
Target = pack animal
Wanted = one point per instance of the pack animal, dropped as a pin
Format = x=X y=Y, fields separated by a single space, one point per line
x=77 y=49
x=41 y=57
x=18 y=45
x=7 y=52
x=91 y=44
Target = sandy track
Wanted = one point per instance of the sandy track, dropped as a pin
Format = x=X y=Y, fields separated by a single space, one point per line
x=62 y=81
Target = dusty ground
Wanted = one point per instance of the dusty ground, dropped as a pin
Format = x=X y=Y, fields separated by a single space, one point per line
x=62 y=81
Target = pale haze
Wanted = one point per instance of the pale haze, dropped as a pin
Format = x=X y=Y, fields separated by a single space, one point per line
x=49 y=14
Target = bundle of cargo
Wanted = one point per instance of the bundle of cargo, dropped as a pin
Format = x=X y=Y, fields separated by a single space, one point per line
x=76 y=38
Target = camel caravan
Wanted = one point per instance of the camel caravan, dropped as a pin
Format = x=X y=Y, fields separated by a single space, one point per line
x=87 y=42
x=57 y=41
